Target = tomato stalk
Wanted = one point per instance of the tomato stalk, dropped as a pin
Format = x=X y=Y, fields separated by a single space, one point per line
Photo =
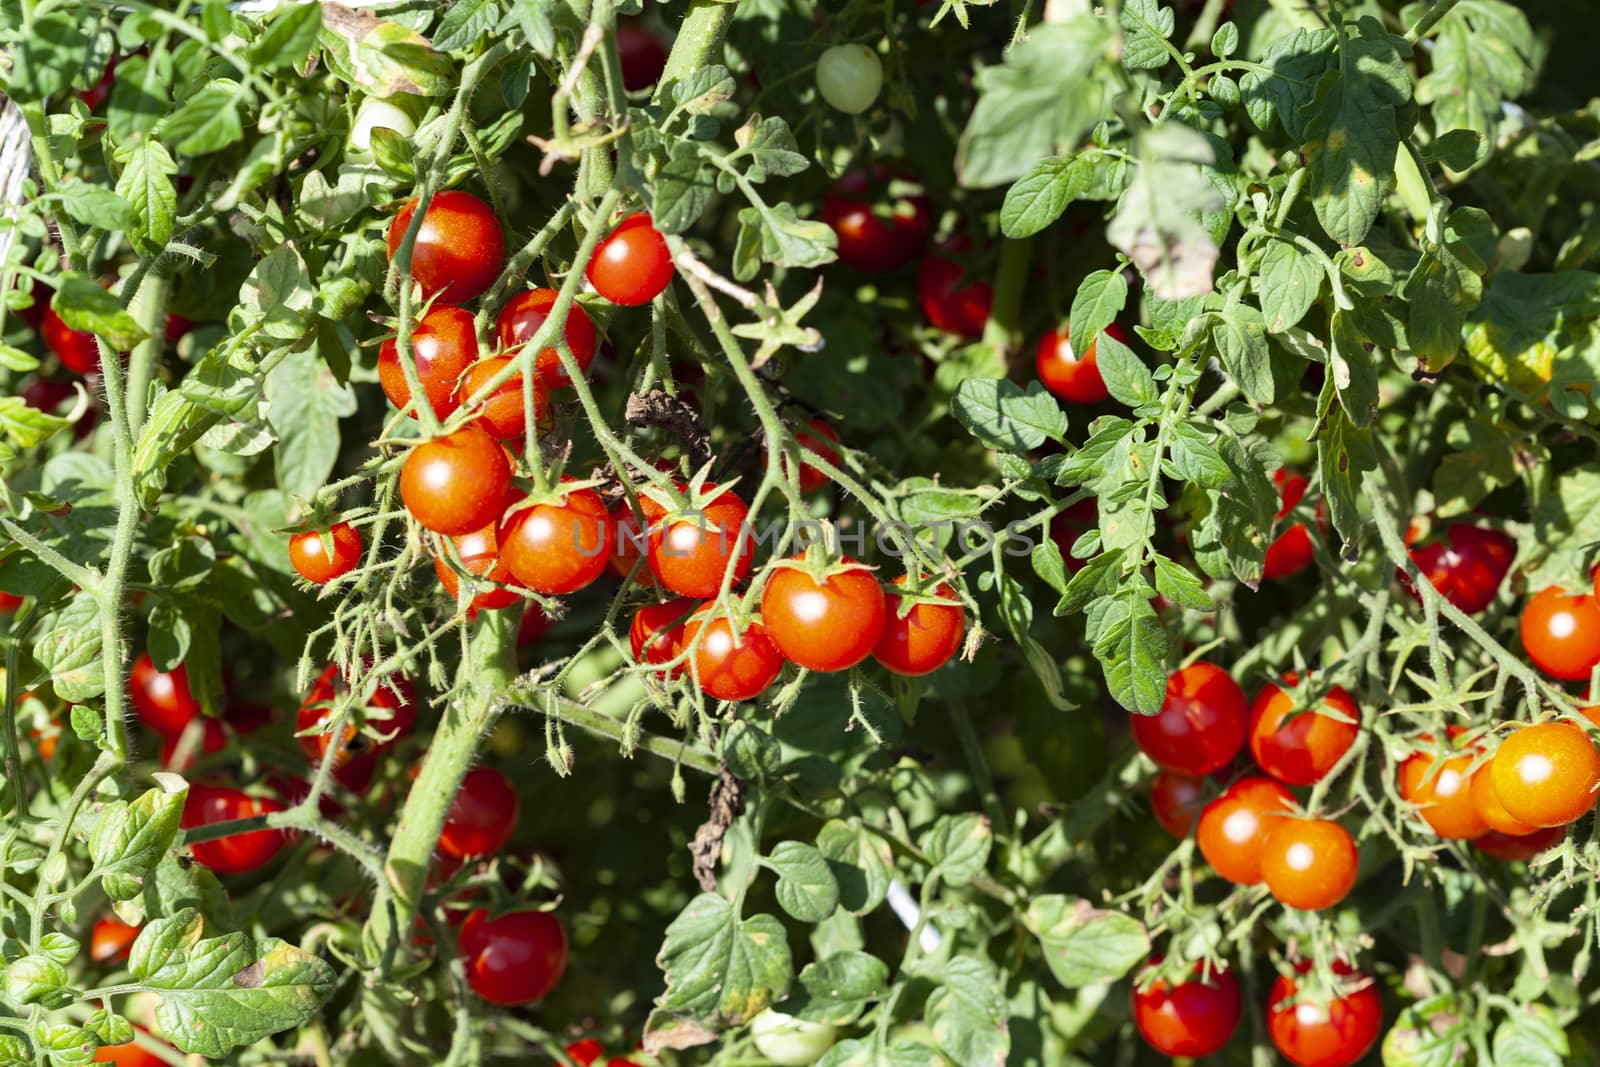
x=698 y=42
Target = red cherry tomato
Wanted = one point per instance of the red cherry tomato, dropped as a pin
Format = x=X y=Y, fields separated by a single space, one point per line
x=656 y=633
x=76 y=349
x=1309 y=864
x=558 y=546
x=819 y=438
x=1546 y=775
x=632 y=264
x=1466 y=567
x=482 y=817
x=587 y=1050
x=629 y=541
x=1331 y=1032
x=459 y=249
x=1519 y=848
x=1072 y=377
x=1292 y=552
x=521 y=319
x=1234 y=826
x=1201 y=724
x=161 y=699
x=1193 y=1018
x=503 y=414
x=533 y=626
x=443 y=345
x=876 y=231
x=319 y=562
x=643 y=58
x=828 y=625
x=514 y=959
x=690 y=552
x=925 y=637
x=952 y=301
x=237 y=853
x=457 y=483
x=1296 y=745
x=1176 y=800
x=731 y=664
x=111 y=939
x=130 y=1055
x=1442 y=790
x=1561 y=633
x=393 y=714
x=480 y=556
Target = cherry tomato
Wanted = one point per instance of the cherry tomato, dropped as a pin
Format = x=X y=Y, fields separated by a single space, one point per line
x=213 y=738
x=480 y=556
x=1486 y=802
x=1193 y=1018
x=10 y=602
x=731 y=664
x=503 y=413
x=98 y=93
x=1309 y=864
x=76 y=349
x=161 y=699
x=952 y=301
x=1300 y=746
x=925 y=637
x=392 y=714
x=1519 y=848
x=643 y=56
x=1201 y=724
x=1069 y=376
x=1332 y=1032
x=521 y=319
x=1561 y=633
x=457 y=483
x=789 y=1042
x=514 y=959
x=482 y=817
x=443 y=345
x=1546 y=775
x=237 y=853
x=849 y=77
x=1466 y=567
x=818 y=438
x=631 y=265
x=1291 y=553
x=323 y=555
x=459 y=249
x=586 y=1050
x=628 y=544
x=656 y=633
x=1442 y=791
x=690 y=551
x=876 y=234
x=1234 y=826
x=828 y=625
x=111 y=939
x=130 y=1055
x=533 y=626
x=558 y=546
x=1176 y=801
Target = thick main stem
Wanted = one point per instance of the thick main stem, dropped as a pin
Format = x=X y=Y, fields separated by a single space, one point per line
x=698 y=42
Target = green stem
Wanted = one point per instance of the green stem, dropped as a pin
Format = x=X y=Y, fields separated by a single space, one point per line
x=1430 y=18
x=698 y=42
x=1004 y=325
x=151 y=313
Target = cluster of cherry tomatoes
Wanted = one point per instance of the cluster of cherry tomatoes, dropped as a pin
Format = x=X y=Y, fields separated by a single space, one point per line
x=586 y=1052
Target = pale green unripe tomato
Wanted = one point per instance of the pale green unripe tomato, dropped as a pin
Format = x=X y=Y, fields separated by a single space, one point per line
x=373 y=113
x=849 y=76
x=788 y=1041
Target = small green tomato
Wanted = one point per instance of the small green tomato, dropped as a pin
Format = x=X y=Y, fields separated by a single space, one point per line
x=849 y=76
x=788 y=1041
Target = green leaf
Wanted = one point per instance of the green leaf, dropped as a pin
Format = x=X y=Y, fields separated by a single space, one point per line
x=1293 y=66
x=1179 y=585
x=131 y=839
x=1100 y=299
x=837 y=989
x=1111 y=436
x=1049 y=564
x=1484 y=53
x=1146 y=26
x=1126 y=377
x=304 y=405
x=68 y=646
x=1195 y=459
x=722 y=970
x=777 y=234
x=1225 y=41
x=208 y=121
x=279 y=289
x=684 y=188
x=806 y=889
x=1431 y=1033
x=47 y=56
x=998 y=413
x=1344 y=455
x=1132 y=649
x=1159 y=221
x=1239 y=334
x=1083 y=945
x=1441 y=291
x=968 y=1013
x=861 y=861
x=751 y=753
x=1352 y=370
x=1095 y=578
x=1531 y=1038
x=383 y=58
x=771 y=147
x=83 y=305
x=146 y=185
x=25 y=426
x=1039 y=197
x=220 y=993
x=466 y=23
x=95 y=205
x=957 y=846
x=1288 y=282
x=36 y=980
x=290 y=37
x=703 y=90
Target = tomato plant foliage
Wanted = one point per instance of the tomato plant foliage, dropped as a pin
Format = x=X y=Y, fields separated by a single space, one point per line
x=745 y=532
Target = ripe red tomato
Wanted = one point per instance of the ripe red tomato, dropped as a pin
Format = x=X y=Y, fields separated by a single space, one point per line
x=10 y=602
x=457 y=483
x=503 y=413
x=1466 y=566
x=459 y=250
x=393 y=714
x=1486 y=802
x=828 y=625
x=1176 y=801
x=877 y=234
x=111 y=939
x=643 y=58
x=952 y=301
x=130 y=1055
x=1444 y=797
x=1193 y=1018
x=629 y=540
x=1301 y=750
x=161 y=699
x=631 y=265
x=443 y=345
x=1072 y=377
x=521 y=318
x=1546 y=775
x=818 y=438
x=237 y=853
x=560 y=545
x=319 y=562
x=586 y=1050
x=1233 y=827
x=1332 y=1032
x=1201 y=724
x=1561 y=633
x=533 y=626
x=925 y=637
x=1291 y=553
x=480 y=555
x=514 y=959
x=731 y=664
x=689 y=552
x=1309 y=864
x=1519 y=848
x=76 y=349
x=482 y=817
x=656 y=633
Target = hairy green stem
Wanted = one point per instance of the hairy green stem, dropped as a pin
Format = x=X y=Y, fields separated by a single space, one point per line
x=698 y=42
